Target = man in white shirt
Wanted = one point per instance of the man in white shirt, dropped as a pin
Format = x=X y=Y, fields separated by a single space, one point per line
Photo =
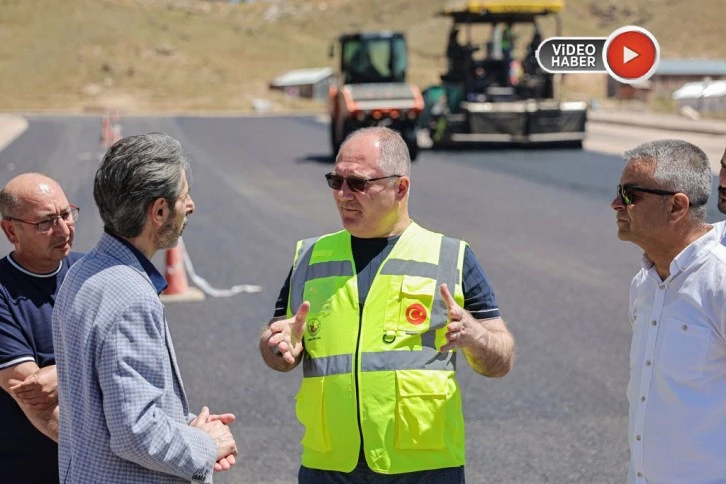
x=677 y=388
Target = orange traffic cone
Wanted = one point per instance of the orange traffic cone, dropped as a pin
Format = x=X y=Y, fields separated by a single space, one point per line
x=115 y=127
x=106 y=134
x=178 y=289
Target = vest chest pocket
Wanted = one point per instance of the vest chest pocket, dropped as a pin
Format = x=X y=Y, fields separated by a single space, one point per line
x=310 y=411
x=416 y=299
x=420 y=409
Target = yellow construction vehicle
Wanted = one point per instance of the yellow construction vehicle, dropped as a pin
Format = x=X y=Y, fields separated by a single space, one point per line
x=496 y=91
x=371 y=88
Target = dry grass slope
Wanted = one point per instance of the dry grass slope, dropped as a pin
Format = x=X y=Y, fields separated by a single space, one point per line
x=192 y=55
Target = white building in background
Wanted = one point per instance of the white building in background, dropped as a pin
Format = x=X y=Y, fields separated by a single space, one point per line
x=706 y=97
x=309 y=83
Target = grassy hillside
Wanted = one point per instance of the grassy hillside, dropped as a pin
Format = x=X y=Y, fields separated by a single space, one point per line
x=175 y=55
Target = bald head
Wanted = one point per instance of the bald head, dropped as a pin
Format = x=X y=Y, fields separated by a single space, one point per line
x=393 y=155
x=25 y=189
x=27 y=202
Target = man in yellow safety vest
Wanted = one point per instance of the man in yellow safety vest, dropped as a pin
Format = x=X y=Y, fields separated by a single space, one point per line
x=376 y=313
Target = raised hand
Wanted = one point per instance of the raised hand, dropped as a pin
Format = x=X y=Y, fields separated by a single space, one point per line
x=287 y=334
x=462 y=330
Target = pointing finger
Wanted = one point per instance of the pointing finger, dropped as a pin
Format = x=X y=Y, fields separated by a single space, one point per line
x=455 y=312
x=450 y=303
x=299 y=324
x=302 y=313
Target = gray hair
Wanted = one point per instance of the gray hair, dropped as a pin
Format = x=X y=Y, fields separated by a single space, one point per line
x=135 y=172
x=9 y=203
x=395 y=158
x=680 y=167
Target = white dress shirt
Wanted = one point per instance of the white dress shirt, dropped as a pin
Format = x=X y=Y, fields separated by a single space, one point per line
x=677 y=388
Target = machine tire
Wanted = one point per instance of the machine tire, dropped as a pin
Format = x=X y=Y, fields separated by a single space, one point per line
x=413 y=150
x=334 y=144
x=409 y=136
x=574 y=145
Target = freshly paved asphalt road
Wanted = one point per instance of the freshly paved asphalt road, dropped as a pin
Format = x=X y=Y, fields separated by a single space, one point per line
x=539 y=222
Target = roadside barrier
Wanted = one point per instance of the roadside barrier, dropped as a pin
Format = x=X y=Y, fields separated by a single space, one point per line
x=178 y=263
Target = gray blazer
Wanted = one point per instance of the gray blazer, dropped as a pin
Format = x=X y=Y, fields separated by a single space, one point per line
x=124 y=415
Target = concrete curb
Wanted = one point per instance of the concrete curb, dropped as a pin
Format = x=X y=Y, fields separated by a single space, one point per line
x=11 y=126
x=653 y=121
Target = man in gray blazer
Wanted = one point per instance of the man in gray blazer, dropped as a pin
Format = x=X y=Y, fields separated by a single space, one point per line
x=124 y=416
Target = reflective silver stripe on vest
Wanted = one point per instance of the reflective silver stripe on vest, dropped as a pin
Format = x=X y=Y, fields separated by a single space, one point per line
x=425 y=359
x=428 y=358
x=304 y=246
x=448 y=274
x=401 y=267
x=328 y=269
x=299 y=273
x=327 y=365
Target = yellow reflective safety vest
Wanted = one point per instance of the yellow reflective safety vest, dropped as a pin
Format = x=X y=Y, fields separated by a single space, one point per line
x=380 y=369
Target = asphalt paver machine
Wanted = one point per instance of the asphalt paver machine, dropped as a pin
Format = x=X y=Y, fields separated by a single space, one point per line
x=496 y=92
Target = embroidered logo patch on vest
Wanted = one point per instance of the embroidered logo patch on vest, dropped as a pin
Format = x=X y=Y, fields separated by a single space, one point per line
x=313 y=327
x=416 y=313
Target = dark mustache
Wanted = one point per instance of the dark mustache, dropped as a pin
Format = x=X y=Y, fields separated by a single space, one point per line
x=721 y=190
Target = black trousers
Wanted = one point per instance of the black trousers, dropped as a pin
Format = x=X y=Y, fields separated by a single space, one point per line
x=362 y=474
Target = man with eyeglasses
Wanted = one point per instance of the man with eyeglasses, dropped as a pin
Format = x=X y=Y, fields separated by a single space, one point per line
x=677 y=309
x=124 y=414
x=40 y=223
x=377 y=313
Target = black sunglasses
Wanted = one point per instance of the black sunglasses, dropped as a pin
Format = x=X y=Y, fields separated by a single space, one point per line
x=627 y=192
x=355 y=183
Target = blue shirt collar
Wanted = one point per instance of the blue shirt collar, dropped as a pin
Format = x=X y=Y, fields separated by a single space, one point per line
x=157 y=279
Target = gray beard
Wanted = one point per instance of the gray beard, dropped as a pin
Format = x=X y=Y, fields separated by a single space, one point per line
x=169 y=235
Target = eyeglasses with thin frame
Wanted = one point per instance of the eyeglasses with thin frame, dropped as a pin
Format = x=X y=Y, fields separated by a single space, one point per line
x=356 y=184
x=69 y=217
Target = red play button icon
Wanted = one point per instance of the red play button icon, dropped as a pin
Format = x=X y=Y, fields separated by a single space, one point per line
x=631 y=54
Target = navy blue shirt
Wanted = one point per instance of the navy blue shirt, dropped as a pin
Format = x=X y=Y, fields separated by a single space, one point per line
x=26 y=307
x=157 y=279
x=368 y=254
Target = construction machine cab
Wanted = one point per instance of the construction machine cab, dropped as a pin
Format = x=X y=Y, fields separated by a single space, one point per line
x=497 y=73
x=371 y=88
x=373 y=57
